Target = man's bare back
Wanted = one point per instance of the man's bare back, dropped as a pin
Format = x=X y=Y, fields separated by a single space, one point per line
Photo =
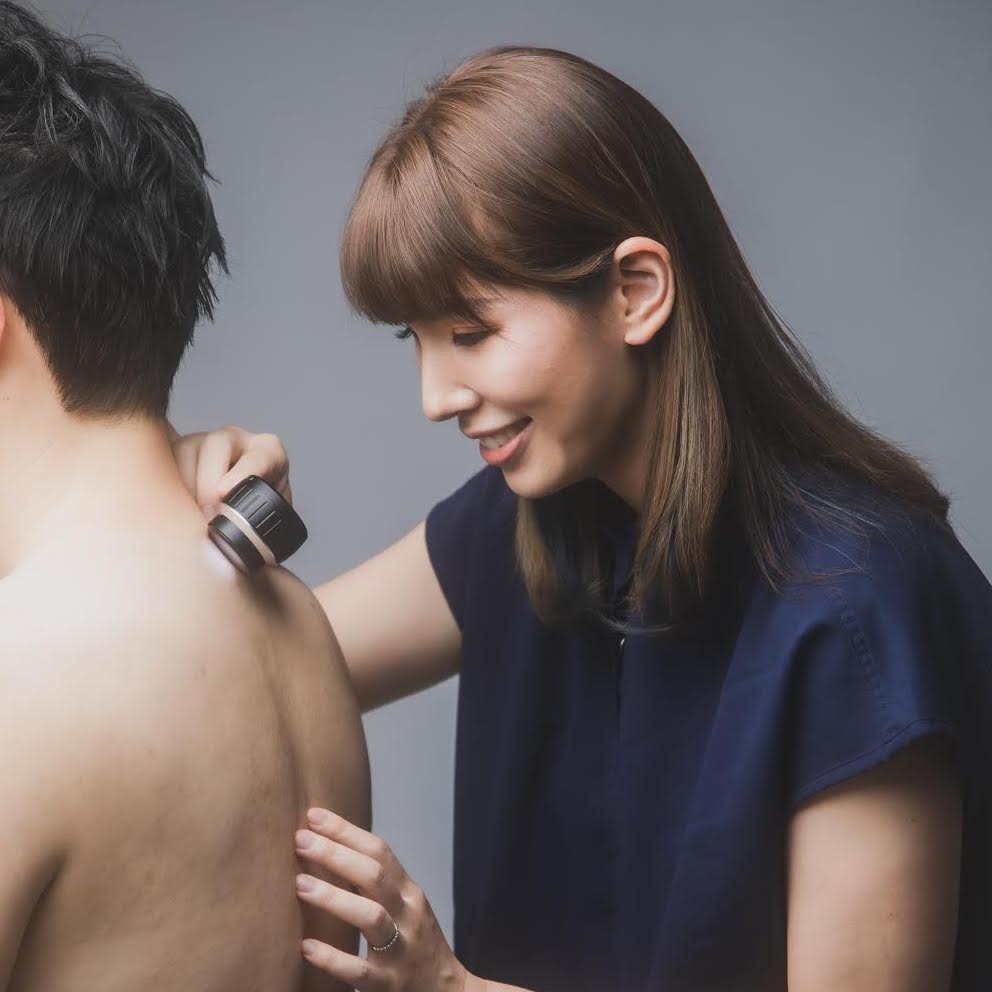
x=165 y=725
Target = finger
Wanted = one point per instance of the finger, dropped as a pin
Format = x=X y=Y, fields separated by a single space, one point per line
x=265 y=457
x=328 y=824
x=365 y=873
x=357 y=973
x=217 y=453
x=372 y=919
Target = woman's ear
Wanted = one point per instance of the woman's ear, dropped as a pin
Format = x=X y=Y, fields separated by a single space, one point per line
x=647 y=288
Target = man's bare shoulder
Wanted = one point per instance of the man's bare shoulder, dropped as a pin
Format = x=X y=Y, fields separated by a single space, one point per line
x=117 y=682
x=42 y=637
x=89 y=649
x=55 y=653
x=145 y=643
x=132 y=593
x=72 y=616
x=122 y=638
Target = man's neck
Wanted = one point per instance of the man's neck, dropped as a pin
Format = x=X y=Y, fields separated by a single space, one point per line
x=59 y=473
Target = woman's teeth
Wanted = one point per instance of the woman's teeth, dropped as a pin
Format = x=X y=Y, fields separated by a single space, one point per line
x=494 y=441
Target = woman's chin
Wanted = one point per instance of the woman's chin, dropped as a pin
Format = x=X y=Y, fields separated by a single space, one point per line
x=533 y=481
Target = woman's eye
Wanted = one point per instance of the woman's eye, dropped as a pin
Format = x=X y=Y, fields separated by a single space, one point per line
x=464 y=340
x=469 y=338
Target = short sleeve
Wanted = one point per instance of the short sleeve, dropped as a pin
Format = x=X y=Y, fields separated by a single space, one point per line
x=459 y=530
x=893 y=651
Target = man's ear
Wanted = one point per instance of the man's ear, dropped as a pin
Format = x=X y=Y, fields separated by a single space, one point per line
x=646 y=282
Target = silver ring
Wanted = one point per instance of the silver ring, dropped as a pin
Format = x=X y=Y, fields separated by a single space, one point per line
x=392 y=940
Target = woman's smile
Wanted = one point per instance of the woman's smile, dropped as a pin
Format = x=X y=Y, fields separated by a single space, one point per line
x=499 y=447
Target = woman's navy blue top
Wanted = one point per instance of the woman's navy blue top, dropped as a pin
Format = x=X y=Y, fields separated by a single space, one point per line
x=621 y=813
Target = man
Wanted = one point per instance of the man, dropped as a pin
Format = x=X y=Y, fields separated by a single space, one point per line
x=165 y=722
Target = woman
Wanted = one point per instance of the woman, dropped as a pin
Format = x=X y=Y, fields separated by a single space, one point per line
x=722 y=658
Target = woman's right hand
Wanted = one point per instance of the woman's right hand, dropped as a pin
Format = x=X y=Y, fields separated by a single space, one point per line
x=413 y=644
x=213 y=463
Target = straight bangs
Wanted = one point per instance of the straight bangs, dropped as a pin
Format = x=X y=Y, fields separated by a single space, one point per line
x=411 y=248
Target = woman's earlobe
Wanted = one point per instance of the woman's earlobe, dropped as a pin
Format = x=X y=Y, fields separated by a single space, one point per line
x=646 y=320
x=644 y=332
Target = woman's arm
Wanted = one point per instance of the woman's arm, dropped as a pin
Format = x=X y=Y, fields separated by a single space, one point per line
x=395 y=628
x=393 y=623
x=873 y=868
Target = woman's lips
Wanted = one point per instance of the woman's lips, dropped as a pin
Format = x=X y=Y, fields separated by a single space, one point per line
x=502 y=454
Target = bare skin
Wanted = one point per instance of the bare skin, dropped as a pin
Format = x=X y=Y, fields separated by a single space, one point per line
x=172 y=721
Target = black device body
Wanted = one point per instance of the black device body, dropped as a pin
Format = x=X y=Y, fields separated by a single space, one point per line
x=256 y=526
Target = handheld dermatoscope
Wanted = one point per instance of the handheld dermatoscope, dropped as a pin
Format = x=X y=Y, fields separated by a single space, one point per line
x=255 y=526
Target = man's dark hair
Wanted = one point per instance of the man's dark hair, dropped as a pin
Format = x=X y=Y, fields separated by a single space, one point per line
x=108 y=237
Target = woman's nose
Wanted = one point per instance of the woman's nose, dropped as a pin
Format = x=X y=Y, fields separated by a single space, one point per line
x=442 y=397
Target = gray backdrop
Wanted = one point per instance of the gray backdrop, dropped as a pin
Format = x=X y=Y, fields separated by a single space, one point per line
x=846 y=141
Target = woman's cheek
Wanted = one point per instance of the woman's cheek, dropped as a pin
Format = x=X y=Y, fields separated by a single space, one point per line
x=518 y=384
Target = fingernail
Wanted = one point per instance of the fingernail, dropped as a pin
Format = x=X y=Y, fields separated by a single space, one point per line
x=317 y=817
x=304 y=839
x=309 y=947
x=304 y=883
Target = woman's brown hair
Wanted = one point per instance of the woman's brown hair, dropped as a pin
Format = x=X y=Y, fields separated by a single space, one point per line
x=527 y=167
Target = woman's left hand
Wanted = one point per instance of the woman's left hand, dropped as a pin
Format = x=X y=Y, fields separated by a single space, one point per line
x=387 y=902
